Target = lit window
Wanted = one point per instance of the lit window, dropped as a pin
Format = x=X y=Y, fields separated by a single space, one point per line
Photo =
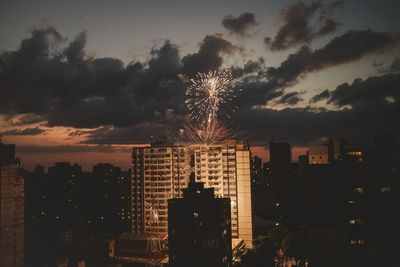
x=358 y=242
x=385 y=189
x=359 y=190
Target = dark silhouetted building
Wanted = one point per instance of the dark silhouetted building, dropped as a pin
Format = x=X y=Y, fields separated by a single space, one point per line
x=280 y=153
x=113 y=198
x=199 y=229
x=336 y=147
x=256 y=171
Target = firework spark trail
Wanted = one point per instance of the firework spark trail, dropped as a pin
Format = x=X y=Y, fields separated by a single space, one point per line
x=207 y=133
x=206 y=94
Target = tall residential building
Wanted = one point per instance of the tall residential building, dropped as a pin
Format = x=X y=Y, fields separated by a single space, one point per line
x=160 y=172
x=225 y=166
x=199 y=232
x=11 y=209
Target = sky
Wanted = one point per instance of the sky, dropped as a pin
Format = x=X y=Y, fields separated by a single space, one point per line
x=82 y=80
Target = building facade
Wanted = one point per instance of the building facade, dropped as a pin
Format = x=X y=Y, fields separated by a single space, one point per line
x=160 y=172
x=199 y=232
x=318 y=155
x=11 y=209
x=225 y=166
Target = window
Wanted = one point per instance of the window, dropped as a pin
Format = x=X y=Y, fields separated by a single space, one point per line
x=359 y=190
x=385 y=189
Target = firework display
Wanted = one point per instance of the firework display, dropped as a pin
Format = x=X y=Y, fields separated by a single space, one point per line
x=206 y=95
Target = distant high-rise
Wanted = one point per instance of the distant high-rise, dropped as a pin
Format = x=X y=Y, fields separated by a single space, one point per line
x=11 y=209
x=65 y=197
x=256 y=171
x=160 y=172
x=113 y=196
x=280 y=153
x=199 y=232
x=336 y=147
x=318 y=155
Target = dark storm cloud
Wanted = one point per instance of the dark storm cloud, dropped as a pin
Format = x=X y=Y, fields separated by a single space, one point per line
x=301 y=23
x=371 y=92
x=75 y=51
x=51 y=78
x=209 y=56
x=321 y=96
x=126 y=135
x=26 y=131
x=241 y=24
x=254 y=66
x=351 y=46
x=374 y=106
x=291 y=98
x=395 y=66
x=346 y=48
x=365 y=107
x=306 y=125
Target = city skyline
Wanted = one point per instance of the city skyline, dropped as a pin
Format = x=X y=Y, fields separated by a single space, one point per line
x=88 y=80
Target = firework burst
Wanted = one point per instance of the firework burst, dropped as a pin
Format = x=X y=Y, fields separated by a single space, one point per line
x=206 y=95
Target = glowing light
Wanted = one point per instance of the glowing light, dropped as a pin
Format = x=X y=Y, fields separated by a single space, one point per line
x=207 y=95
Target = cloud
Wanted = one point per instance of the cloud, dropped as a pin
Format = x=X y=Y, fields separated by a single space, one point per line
x=24 y=119
x=364 y=107
x=303 y=126
x=291 y=98
x=63 y=86
x=301 y=23
x=372 y=92
x=240 y=25
x=209 y=56
x=26 y=131
x=125 y=135
x=71 y=149
x=348 y=47
x=321 y=96
x=351 y=46
x=109 y=102
x=395 y=66
x=75 y=51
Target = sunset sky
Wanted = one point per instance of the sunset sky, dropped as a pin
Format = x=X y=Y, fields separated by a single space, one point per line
x=81 y=80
